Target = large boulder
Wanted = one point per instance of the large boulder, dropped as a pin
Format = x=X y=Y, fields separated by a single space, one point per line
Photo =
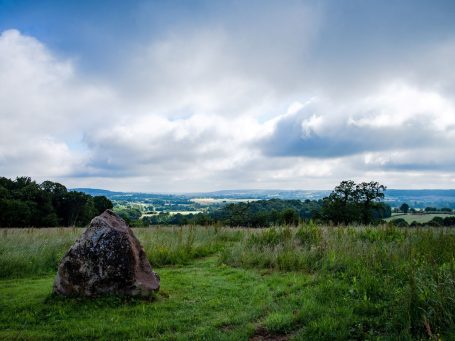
x=107 y=259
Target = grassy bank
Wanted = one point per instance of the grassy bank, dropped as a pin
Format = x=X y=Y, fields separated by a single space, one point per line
x=300 y=283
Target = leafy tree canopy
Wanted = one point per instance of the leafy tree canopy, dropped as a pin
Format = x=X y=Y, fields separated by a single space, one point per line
x=25 y=203
x=355 y=203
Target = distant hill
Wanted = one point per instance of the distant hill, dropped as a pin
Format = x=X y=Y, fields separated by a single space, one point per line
x=262 y=194
x=418 y=198
x=96 y=191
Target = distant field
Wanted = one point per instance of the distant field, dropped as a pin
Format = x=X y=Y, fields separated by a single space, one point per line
x=420 y=218
x=171 y=213
x=212 y=201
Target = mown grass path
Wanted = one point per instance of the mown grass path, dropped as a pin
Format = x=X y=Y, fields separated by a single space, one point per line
x=199 y=301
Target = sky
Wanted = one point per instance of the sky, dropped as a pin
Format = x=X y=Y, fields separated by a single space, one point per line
x=186 y=96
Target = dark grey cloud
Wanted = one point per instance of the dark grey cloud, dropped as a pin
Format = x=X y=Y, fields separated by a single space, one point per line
x=339 y=136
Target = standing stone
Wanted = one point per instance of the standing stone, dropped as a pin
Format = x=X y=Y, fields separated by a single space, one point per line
x=107 y=259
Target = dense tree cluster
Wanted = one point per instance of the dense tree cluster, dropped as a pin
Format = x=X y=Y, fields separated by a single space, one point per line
x=129 y=214
x=355 y=203
x=435 y=222
x=25 y=203
x=260 y=213
x=267 y=212
x=166 y=218
x=404 y=208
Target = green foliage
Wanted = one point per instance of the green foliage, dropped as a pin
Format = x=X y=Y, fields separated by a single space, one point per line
x=102 y=203
x=28 y=252
x=431 y=298
x=399 y=222
x=308 y=283
x=290 y=217
x=355 y=203
x=449 y=221
x=25 y=252
x=129 y=214
x=198 y=302
x=277 y=248
x=388 y=234
x=309 y=235
x=260 y=213
x=404 y=208
x=399 y=283
x=436 y=221
x=422 y=219
x=165 y=218
x=263 y=213
x=270 y=237
x=24 y=203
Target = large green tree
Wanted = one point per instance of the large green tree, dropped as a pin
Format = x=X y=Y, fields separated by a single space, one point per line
x=350 y=202
x=23 y=203
x=404 y=208
x=102 y=203
x=369 y=193
x=341 y=206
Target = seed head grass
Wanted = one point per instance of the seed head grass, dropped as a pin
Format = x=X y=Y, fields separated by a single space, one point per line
x=309 y=282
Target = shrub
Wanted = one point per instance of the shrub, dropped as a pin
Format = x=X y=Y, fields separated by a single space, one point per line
x=309 y=235
x=400 y=222
x=449 y=221
x=270 y=237
x=436 y=222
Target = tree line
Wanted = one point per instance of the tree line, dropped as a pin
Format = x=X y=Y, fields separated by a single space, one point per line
x=348 y=203
x=435 y=222
x=25 y=203
x=258 y=213
x=405 y=208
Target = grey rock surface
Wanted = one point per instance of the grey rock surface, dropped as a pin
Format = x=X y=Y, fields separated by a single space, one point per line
x=107 y=259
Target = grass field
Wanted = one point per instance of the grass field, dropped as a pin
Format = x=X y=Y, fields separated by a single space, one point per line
x=231 y=284
x=420 y=218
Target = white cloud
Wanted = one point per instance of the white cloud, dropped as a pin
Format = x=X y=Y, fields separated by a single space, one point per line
x=397 y=117
x=231 y=105
x=43 y=106
x=41 y=157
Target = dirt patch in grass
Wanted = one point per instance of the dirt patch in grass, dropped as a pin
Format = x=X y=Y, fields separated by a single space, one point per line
x=262 y=333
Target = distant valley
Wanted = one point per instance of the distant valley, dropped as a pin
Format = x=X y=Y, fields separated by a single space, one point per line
x=195 y=201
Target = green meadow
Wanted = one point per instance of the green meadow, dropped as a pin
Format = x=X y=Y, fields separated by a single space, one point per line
x=420 y=218
x=303 y=283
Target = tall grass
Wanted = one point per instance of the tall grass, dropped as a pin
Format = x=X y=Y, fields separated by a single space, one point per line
x=30 y=251
x=180 y=245
x=33 y=252
x=389 y=281
x=403 y=280
x=280 y=248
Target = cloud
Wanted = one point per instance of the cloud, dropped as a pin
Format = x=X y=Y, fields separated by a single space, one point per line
x=224 y=65
x=399 y=117
x=41 y=157
x=43 y=107
x=157 y=141
x=263 y=95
